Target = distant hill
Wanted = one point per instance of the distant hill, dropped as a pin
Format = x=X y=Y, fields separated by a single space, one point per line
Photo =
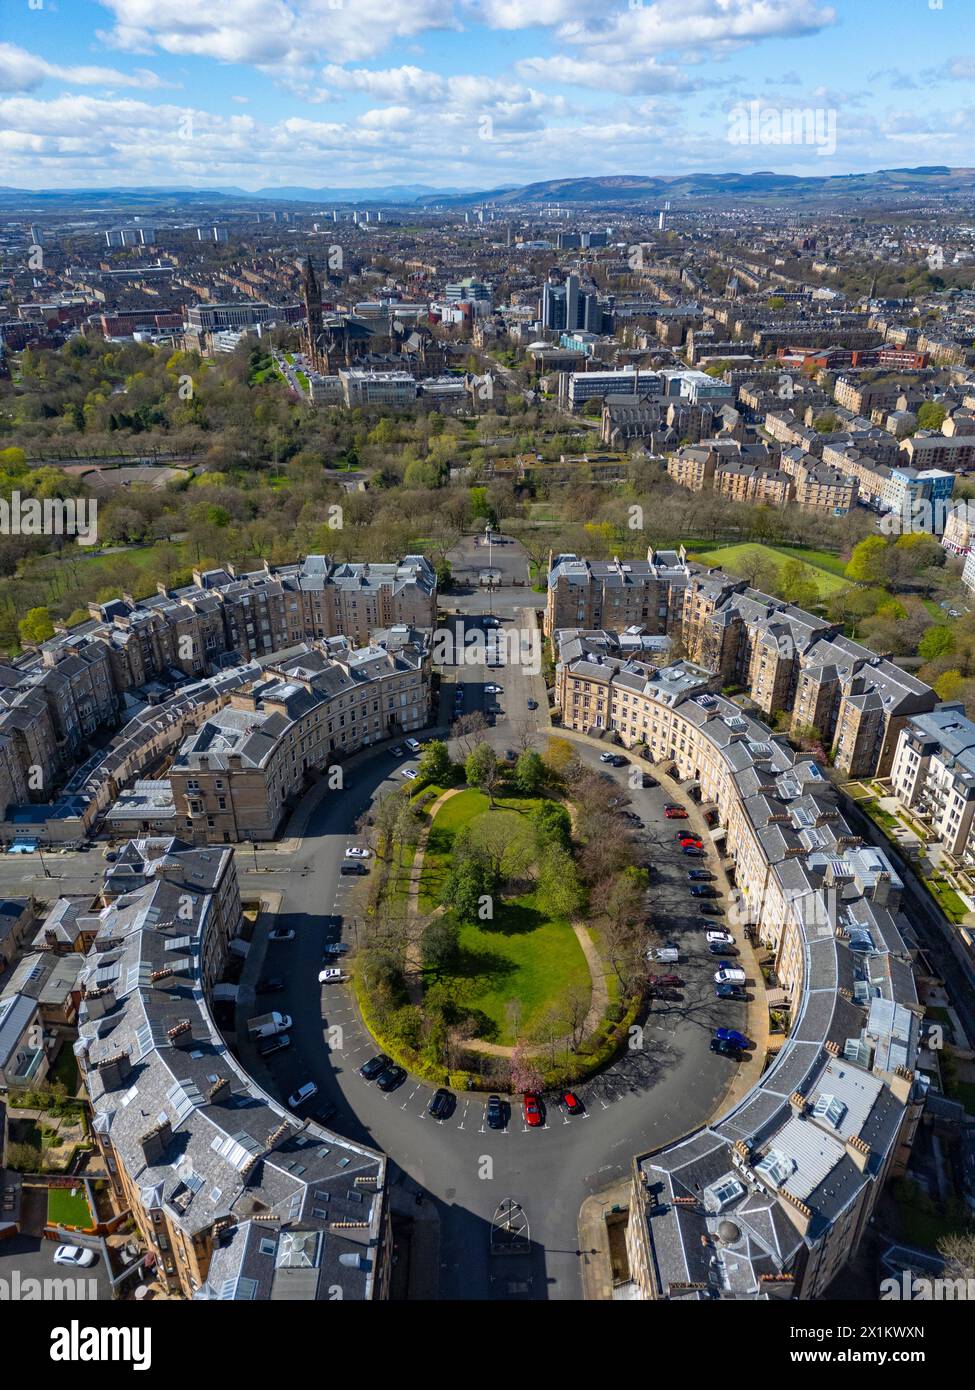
x=766 y=186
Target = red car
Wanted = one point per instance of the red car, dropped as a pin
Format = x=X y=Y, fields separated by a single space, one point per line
x=692 y=841
x=572 y=1103
x=665 y=981
x=675 y=813
x=532 y=1109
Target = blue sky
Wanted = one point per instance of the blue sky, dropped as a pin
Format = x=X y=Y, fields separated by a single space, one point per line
x=472 y=93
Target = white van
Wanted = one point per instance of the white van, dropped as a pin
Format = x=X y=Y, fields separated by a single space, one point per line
x=412 y=745
x=666 y=955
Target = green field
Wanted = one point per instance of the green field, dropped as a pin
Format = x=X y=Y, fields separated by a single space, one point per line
x=521 y=955
x=824 y=569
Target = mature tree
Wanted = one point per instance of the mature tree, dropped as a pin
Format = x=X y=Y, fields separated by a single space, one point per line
x=958 y=1251
x=439 y=943
x=552 y=823
x=482 y=770
x=559 y=893
x=467 y=886
x=466 y=729
x=434 y=764
x=560 y=757
x=36 y=626
x=526 y=1077
x=868 y=561
x=576 y=1004
x=529 y=772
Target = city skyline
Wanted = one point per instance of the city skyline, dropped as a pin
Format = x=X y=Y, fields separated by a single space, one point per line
x=474 y=96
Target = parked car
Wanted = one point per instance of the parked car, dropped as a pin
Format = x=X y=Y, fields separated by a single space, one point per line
x=375 y=1065
x=729 y=975
x=694 y=852
x=700 y=875
x=77 y=1256
x=532 y=1109
x=727 y=990
x=494 y=1112
x=396 y=752
x=649 y=781
x=441 y=1104
x=675 y=813
x=335 y=948
x=667 y=955
x=685 y=837
x=704 y=890
x=721 y=949
x=354 y=866
x=606 y=757
x=726 y=1049
x=332 y=977
x=303 y=1094
x=412 y=745
x=270 y=984
x=409 y=773
x=271 y=1045
x=666 y=981
x=733 y=1036
x=533 y=704
x=281 y=934
x=494 y=689
x=324 y=1114
x=356 y=852
x=392 y=1077
x=724 y=937
x=572 y=1103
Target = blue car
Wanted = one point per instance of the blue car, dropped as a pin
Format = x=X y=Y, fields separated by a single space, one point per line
x=726 y=990
x=732 y=1035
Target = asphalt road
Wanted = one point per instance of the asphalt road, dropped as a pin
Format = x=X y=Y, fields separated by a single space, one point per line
x=670 y=1084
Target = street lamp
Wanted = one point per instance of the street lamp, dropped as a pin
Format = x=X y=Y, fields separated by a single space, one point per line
x=40 y=853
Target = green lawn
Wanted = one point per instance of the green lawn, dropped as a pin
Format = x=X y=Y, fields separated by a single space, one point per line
x=520 y=955
x=66 y=1070
x=68 y=1206
x=825 y=570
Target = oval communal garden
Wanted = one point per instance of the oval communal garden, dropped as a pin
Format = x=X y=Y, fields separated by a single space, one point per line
x=494 y=954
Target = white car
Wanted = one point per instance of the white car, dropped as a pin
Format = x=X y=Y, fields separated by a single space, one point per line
x=729 y=975
x=494 y=689
x=303 y=1094
x=332 y=977
x=720 y=938
x=77 y=1256
x=354 y=852
x=409 y=773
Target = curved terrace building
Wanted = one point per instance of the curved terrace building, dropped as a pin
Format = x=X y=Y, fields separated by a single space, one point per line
x=234 y=1196
x=773 y=1199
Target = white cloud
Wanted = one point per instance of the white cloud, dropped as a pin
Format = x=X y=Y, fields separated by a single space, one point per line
x=646 y=76
x=21 y=71
x=272 y=34
x=683 y=25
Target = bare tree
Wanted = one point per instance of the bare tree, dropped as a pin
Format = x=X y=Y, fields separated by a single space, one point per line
x=576 y=1005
